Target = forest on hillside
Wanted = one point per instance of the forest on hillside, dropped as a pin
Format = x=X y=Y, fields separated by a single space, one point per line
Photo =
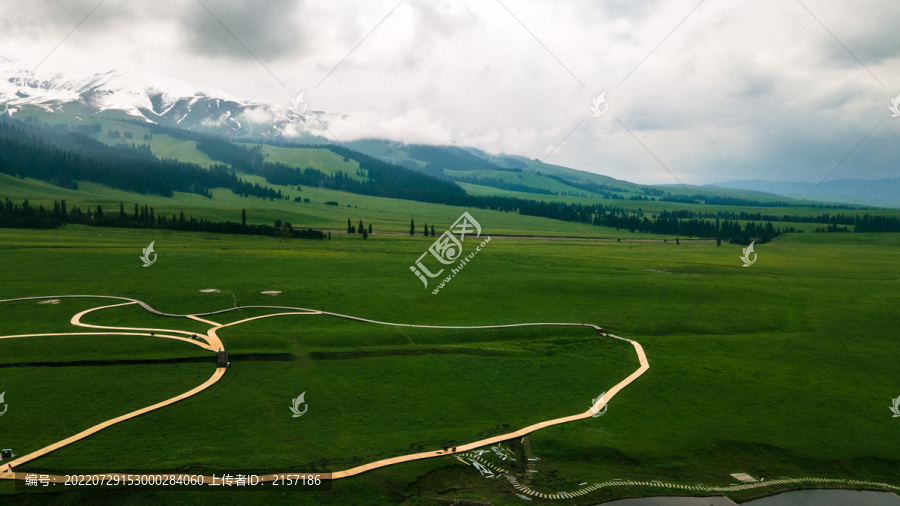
x=63 y=155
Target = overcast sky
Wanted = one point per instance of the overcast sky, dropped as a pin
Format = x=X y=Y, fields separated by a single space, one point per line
x=698 y=92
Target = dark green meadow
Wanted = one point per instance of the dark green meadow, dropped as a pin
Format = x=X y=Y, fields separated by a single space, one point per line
x=783 y=368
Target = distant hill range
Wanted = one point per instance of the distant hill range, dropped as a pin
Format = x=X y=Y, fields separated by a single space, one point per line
x=213 y=118
x=874 y=192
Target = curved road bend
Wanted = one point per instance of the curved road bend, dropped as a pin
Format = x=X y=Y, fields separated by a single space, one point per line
x=214 y=343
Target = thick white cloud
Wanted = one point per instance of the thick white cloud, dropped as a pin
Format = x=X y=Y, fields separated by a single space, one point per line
x=740 y=90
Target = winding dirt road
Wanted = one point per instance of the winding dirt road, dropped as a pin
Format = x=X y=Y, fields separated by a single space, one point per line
x=213 y=343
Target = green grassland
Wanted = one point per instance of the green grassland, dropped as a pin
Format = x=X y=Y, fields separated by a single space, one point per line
x=386 y=215
x=532 y=180
x=784 y=368
x=94 y=348
x=161 y=145
x=800 y=209
x=384 y=151
x=363 y=408
x=164 y=146
x=48 y=404
x=301 y=158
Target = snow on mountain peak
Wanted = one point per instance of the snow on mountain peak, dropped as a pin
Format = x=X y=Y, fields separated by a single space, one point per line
x=151 y=97
x=126 y=91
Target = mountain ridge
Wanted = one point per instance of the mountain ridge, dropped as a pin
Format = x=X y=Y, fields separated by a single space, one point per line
x=884 y=192
x=176 y=104
x=156 y=99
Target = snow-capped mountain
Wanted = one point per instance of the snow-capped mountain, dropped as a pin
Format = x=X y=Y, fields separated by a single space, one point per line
x=155 y=99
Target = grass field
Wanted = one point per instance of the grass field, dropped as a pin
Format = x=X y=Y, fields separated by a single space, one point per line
x=386 y=215
x=301 y=158
x=537 y=181
x=57 y=402
x=784 y=368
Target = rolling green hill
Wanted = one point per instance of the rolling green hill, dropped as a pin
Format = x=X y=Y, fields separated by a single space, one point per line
x=322 y=186
x=505 y=173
